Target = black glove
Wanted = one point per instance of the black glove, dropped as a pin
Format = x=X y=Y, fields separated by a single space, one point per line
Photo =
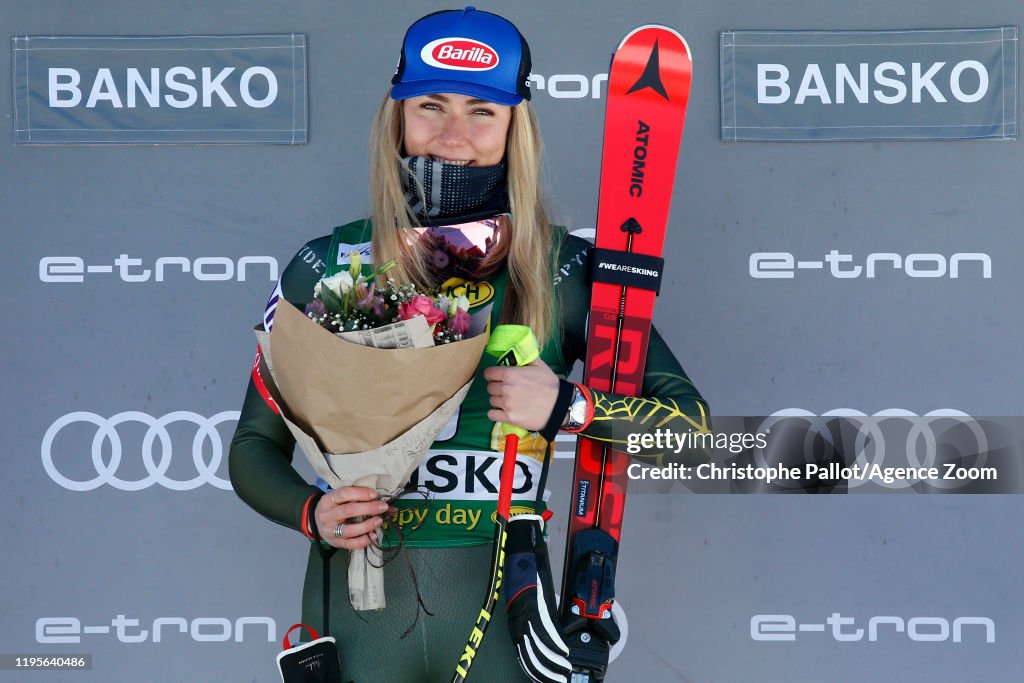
x=530 y=603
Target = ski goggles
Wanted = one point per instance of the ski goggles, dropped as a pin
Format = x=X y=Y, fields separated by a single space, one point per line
x=458 y=250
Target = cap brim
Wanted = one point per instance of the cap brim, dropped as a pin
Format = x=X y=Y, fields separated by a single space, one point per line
x=403 y=91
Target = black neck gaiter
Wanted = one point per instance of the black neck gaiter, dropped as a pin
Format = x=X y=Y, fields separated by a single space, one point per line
x=438 y=192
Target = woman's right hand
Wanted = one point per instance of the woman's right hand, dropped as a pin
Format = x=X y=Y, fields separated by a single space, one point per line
x=338 y=506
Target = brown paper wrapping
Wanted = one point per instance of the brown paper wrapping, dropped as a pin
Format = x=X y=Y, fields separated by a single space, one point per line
x=355 y=398
x=363 y=416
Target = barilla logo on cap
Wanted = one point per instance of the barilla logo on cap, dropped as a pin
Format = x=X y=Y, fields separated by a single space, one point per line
x=459 y=54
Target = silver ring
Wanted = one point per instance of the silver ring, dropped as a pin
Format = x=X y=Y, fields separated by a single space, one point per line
x=339 y=531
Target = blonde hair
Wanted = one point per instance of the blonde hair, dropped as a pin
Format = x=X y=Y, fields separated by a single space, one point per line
x=526 y=238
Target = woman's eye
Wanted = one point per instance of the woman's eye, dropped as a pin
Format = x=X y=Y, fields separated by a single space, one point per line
x=484 y=112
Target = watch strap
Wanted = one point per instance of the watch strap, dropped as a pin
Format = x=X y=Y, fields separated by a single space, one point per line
x=558 y=412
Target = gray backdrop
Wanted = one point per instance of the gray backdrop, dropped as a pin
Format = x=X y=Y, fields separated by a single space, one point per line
x=695 y=569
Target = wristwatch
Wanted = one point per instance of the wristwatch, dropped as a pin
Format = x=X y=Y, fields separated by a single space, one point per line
x=576 y=416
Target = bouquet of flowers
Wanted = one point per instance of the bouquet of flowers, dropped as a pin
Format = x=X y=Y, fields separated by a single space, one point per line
x=365 y=378
x=342 y=303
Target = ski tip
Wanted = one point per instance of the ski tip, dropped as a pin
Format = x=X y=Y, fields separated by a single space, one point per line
x=660 y=27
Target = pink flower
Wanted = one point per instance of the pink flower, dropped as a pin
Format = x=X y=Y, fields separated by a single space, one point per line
x=370 y=301
x=421 y=305
x=459 y=322
x=365 y=295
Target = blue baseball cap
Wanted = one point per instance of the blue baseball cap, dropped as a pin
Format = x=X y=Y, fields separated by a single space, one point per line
x=467 y=51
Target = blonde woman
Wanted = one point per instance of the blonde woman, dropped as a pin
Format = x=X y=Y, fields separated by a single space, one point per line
x=455 y=161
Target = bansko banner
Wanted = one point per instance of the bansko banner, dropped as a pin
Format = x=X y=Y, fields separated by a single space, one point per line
x=869 y=85
x=170 y=89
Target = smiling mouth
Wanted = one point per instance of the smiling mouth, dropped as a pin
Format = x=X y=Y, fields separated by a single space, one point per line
x=452 y=162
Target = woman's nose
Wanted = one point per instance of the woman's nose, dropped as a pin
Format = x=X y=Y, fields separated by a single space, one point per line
x=453 y=130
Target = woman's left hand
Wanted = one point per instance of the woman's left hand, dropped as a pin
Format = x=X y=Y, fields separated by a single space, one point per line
x=522 y=396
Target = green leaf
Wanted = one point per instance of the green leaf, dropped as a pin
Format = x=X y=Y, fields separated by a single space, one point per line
x=332 y=302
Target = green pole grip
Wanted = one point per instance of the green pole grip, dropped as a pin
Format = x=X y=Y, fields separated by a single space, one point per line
x=513 y=345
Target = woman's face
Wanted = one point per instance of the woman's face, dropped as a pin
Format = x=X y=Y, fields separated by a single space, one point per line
x=456 y=129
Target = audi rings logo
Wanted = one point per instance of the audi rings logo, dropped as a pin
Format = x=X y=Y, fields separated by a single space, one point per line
x=893 y=437
x=157 y=450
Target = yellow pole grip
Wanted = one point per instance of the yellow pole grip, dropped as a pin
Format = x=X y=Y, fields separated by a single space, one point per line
x=513 y=345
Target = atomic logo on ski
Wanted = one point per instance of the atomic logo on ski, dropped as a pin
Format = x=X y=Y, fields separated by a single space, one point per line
x=651 y=77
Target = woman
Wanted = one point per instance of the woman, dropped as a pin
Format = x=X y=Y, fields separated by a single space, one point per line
x=455 y=144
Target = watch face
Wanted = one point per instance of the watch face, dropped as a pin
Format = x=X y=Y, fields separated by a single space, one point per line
x=578 y=411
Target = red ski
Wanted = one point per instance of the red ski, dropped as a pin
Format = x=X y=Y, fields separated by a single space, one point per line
x=648 y=90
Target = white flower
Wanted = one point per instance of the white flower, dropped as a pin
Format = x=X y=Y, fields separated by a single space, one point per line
x=338 y=283
x=462 y=303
